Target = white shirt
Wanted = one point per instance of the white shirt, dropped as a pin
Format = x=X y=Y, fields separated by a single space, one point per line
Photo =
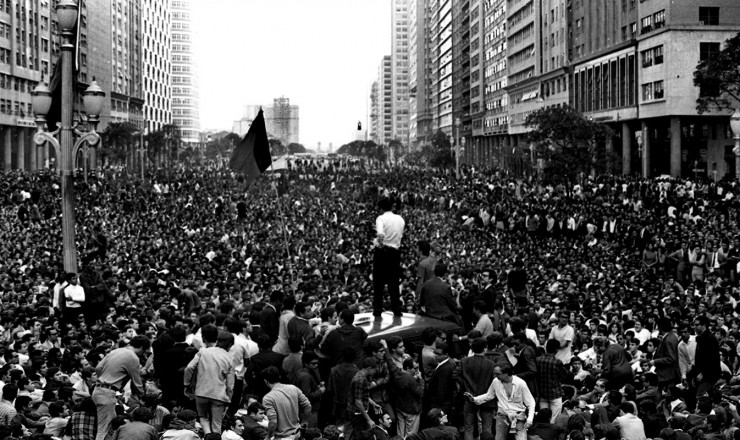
x=520 y=400
x=562 y=335
x=642 y=336
x=389 y=227
x=75 y=295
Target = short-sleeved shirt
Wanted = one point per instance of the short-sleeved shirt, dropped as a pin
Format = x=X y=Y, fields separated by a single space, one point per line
x=391 y=226
x=561 y=335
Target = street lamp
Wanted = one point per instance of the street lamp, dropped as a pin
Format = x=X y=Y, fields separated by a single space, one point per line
x=735 y=127
x=66 y=147
x=458 y=123
x=142 y=151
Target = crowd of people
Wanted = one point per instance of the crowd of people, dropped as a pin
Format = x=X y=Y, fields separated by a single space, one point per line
x=600 y=309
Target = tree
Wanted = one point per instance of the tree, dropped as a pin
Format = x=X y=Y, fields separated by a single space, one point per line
x=360 y=148
x=295 y=148
x=117 y=138
x=439 y=151
x=277 y=148
x=718 y=78
x=566 y=140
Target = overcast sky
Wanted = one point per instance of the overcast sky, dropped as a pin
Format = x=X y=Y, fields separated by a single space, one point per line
x=322 y=54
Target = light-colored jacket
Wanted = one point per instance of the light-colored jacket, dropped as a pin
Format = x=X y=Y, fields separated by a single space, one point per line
x=215 y=377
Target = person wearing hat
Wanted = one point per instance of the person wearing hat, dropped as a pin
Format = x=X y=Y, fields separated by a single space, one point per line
x=182 y=427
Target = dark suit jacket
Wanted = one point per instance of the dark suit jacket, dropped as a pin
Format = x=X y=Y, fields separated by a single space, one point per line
x=257 y=363
x=476 y=375
x=173 y=370
x=436 y=297
x=526 y=367
x=441 y=388
x=707 y=357
x=666 y=359
x=270 y=322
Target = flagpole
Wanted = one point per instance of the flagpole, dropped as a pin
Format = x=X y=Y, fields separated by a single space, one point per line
x=282 y=221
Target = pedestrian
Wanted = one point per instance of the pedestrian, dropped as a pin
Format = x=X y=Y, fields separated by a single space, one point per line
x=118 y=367
x=358 y=405
x=551 y=373
x=286 y=407
x=665 y=359
x=387 y=258
x=209 y=378
x=515 y=404
x=476 y=373
x=707 y=369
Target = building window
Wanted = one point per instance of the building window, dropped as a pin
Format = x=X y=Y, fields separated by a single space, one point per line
x=633 y=28
x=659 y=19
x=658 y=90
x=647 y=24
x=652 y=56
x=709 y=16
x=647 y=92
x=708 y=51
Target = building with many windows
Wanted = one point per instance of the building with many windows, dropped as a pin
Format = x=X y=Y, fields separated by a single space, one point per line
x=157 y=62
x=381 y=117
x=30 y=45
x=626 y=63
x=400 y=71
x=185 y=85
x=420 y=115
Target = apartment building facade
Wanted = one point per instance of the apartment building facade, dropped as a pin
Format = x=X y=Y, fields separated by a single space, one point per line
x=400 y=71
x=626 y=63
x=185 y=81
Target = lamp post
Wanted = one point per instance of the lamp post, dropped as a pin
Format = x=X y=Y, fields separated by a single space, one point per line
x=735 y=127
x=458 y=124
x=142 y=152
x=66 y=147
x=638 y=137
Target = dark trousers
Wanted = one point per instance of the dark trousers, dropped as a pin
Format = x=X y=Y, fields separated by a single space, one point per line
x=236 y=399
x=386 y=272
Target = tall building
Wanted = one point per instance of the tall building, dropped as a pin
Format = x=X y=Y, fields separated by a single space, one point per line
x=185 y=85
x=400 y=71
x=382 y=121
x=125 y=69
x=30 y=44
x=374 y=127
x=441 y=65
x=420 y=115
x=157 y=62
x=624 y=63
x=282 y=121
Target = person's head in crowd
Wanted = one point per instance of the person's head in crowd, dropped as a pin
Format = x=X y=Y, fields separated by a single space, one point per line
x=395 y=346
x=329 y=314
x=479 y=309
x=478 y=345
x=347 y=317
x=256 y=411
x=142 y=414
x=271 y=376
x=429 y=336
x=440 y=270
x=494 y=340
x=332 y=432
x=10 y=392
x=264 y=342
x=310 y=360
x=552 y=346
x=425 y=248
x=436 y=417
x=295 y=344
x=368 y=365
x=385 y=205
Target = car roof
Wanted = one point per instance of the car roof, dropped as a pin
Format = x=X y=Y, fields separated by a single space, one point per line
x=409 y=326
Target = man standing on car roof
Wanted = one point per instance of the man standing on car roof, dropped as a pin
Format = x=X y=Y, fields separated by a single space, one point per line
x=387 y=258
